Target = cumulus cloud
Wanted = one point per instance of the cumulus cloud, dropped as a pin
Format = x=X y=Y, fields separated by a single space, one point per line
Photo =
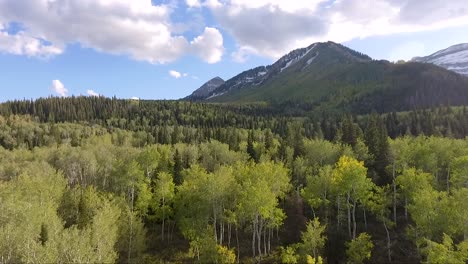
x=22 y=44
x=175 y=74
x=59 y=88
x=273 y=27
x=92 y=93
x=209 y=45
x=135 y=28
x=193 y=3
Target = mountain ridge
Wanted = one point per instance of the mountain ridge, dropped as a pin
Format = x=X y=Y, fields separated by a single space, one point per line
x=454 y=58
x=331 y=77
x=206 y=88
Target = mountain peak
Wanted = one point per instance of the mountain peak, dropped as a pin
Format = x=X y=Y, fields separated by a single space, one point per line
x=454 y=58
x=206 y=88
x=322 y=54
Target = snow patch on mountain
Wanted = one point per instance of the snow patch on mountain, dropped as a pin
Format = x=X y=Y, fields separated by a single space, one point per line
x=454 y=58
x=309 y=61
x=298 y=58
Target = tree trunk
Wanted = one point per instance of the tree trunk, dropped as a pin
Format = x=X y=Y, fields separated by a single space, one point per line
x=129 y=254
x=221 y=235
x=269 y=240
x=163 y=218
x=238 y=249
x=365 y=219
x=259 y=239
x=406 y=208
x=215 y=226
x=354 y=219
x=389 y=244
x=394 y=196
x=448 y=180
x=253 y=238
x=349 y=215
x=229 y=235
x=338 y=211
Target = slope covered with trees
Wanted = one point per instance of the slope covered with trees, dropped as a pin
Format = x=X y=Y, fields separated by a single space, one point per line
x=106 y=180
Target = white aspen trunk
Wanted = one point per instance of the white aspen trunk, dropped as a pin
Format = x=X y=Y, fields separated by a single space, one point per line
x=163 y=219
x=238 y=249
x=354 y=219
x=338 y=211
x=215 y=226
x=389 y=243
x=129 y=254
x=394 y=196
x=349 y=215
x=229 y=235
x=221 y=236
x=448 y=180
x=253 y=238
x=406 y=208
x=259 y=238
x=269 y=240
x=365 y=219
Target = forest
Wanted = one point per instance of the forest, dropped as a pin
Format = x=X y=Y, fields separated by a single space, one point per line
x=98 y=180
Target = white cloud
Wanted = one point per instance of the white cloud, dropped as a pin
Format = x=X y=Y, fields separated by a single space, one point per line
x=273 y=27
x=134 y=98
x=59 y=88
x=92 y=93
x=193 y=3
x=209 y=45
x=136 y=28
x=242 y=54
x=22 y=44
x=212 y=3
x=175 y=74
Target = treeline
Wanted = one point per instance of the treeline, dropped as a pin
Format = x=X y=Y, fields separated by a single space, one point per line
x=28 y=132
x=152 y=116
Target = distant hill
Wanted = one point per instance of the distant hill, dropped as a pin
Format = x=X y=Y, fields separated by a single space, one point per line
x=205 y=90
x=329 y=76
x=454 y=58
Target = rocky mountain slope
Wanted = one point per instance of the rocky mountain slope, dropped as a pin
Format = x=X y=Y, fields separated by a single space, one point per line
x=454 y=58
x=205 y=90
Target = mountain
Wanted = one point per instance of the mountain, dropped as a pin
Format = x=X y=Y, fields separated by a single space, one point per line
x=329 y=76
x=298 y=60
x=205 y=90
x=454 y=58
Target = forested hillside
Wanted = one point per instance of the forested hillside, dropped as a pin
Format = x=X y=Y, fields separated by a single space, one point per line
x=105 y=180
x=329 y=76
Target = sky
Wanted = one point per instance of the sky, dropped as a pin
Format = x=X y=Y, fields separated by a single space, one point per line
x=166 y=49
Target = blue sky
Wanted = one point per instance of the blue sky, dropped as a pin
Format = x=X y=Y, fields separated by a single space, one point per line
x=167 y=49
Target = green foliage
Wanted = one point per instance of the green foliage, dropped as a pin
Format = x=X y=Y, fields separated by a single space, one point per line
x=289 y=255
x=359 y=249
x=313 y=239
x=446 y=252
x=82 y=192
x=459 y=172
x=32 y=231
